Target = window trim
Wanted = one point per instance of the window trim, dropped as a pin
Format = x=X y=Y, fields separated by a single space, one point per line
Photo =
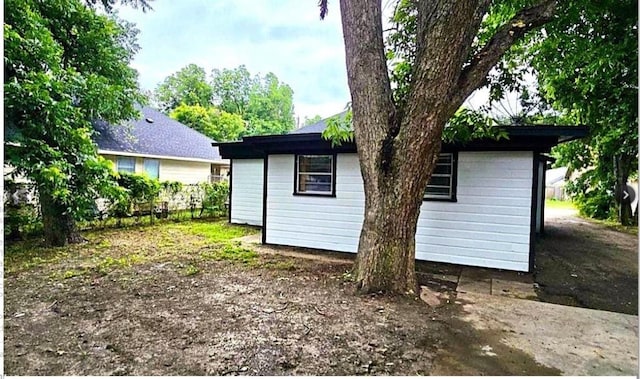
x=126 y=157
x=454 y=181
x=333 y=176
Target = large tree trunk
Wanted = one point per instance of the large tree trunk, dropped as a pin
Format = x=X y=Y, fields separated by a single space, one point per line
x=398 y=146
x=386 y=252
x=59 y=226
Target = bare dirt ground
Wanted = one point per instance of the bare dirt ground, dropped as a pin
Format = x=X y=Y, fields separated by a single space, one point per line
x=589 y=265
x=178 y=315
x=180 y=300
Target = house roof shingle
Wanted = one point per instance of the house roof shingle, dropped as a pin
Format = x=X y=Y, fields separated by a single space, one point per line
x=155 y=134
x=317 y=127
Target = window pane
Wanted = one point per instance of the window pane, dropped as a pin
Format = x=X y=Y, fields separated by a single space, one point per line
x=437 y=191
x=315 y=163
x=440 y=184
x=445 y=158
x=440 y=181
x=314 y=183
x=152 y=168
x=442 y=169
x=126 y=164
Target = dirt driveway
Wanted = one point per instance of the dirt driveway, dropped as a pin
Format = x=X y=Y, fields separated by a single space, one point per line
x=586 y=264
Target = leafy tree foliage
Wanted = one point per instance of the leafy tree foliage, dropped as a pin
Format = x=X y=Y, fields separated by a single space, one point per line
x=188 y=86
x=587 y=66
x=232 y=88
x=263 y=102
x=312 y=120
x=109 y=4
x=210 y=121
x=64 y=67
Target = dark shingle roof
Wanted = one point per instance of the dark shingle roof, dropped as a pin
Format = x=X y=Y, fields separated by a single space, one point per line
x=318 y=127
x=163 y=136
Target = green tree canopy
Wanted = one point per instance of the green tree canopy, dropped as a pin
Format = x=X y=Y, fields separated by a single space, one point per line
x=188 y=86
x=264 y=102
x=587 y=69
x=312 y=120
x=214 y=123
x=65 y=66
x=232 y=88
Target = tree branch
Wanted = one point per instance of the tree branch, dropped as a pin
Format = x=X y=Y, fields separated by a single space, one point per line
x=476 y=72
x=324 y=8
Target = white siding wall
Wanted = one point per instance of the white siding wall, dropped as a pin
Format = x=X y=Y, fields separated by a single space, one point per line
x=186 y=172
x=246 y=191
x=181 y=171
x=488 y=226
x=312 y=221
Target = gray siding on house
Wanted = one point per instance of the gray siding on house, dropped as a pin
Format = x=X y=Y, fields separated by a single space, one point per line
x=488 y=226
x=246 y=191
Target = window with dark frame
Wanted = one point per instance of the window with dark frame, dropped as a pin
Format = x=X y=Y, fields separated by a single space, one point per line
x=441 y=184
x=314 y=174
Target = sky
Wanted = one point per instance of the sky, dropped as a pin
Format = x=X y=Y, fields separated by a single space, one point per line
x=285 y=37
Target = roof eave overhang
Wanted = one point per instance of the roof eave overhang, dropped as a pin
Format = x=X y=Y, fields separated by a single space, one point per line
x=521 y=138
x=156 y=156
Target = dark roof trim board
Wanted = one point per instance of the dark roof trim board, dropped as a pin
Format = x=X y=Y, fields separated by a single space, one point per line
x=155 y=135
x=521 y=138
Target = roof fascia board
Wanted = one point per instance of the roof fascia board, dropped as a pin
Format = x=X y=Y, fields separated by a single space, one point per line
x=152 y=156
x=540 y=138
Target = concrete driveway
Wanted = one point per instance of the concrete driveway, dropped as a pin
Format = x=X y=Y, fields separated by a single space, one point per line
x=573 y=340
x=576 y=341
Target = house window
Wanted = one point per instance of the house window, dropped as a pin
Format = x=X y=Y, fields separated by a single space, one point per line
x=152 y=168
x=315 y=175
x=126 y=164
x=441 y=186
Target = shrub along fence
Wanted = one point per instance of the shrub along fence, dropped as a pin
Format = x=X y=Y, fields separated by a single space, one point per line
x=136 y=200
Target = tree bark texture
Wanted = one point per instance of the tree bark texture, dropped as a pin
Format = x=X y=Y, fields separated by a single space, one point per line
x=398 y=147
x=59 y=226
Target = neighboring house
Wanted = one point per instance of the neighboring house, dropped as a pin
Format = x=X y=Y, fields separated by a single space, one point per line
x=482 y=207
x=555 y=182
x=162 y=148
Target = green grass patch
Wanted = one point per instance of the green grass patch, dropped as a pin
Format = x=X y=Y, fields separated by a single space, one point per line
x=216 y=231
x=285 y=265
x=232 y=253
x=108 y=264
x=104 y=244
x=190 y=270
x=113 y=249
x=559 y=204
x=26 y=255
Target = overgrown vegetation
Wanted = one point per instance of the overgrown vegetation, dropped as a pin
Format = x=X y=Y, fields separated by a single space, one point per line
x=135 y=199
x=65 y=67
